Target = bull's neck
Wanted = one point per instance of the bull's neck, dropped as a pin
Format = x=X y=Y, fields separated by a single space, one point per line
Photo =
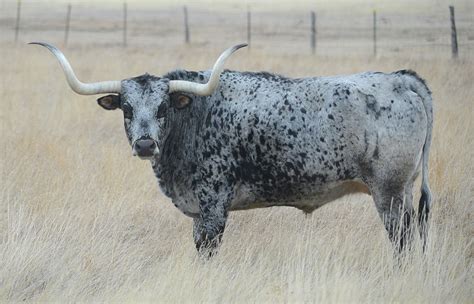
x=177 y=160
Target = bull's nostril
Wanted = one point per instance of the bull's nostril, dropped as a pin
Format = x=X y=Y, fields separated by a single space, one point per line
x=145 y=147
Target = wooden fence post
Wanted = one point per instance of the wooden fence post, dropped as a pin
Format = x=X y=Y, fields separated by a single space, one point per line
x=68 y=21
x=125 y=24
x=313 y=32
x=454 y=37
x=186 y=25
x=375 y=33
x=249 y=27
x=17 y=25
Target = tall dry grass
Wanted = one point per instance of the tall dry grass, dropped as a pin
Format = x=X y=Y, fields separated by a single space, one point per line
x=83 y=221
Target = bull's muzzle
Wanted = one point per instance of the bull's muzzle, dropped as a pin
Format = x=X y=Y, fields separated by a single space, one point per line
x=145 y=148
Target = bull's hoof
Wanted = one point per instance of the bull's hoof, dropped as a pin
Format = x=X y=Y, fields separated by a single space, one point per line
x=208 y=248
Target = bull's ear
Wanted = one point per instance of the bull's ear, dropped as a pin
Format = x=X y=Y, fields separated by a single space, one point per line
x=180 y=101
x=109 y=102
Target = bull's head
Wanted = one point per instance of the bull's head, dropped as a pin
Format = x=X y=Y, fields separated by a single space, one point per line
x=144 y=100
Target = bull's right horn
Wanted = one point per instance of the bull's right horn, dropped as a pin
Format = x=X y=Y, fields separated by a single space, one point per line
x=76 y=85
x=205 y=89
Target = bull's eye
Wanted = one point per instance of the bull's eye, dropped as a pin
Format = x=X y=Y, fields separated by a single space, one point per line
x=127 y=111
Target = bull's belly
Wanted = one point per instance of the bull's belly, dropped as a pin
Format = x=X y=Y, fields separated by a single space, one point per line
x=312 y=198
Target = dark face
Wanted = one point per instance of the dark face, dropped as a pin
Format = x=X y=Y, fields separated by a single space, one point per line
x=145 y=103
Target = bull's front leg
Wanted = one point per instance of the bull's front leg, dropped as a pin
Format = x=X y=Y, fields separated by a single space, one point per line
x=209 y=226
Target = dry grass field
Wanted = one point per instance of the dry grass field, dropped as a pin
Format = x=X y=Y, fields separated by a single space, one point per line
x=83 y=221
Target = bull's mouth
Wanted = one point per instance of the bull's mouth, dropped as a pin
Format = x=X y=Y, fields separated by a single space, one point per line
x=147 y=156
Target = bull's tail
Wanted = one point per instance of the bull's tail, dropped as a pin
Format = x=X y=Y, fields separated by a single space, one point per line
x=418 y=85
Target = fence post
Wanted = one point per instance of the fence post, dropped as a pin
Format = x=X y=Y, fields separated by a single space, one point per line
x=249 y=27
x=454 y=37
x=375 y=33
x=125 y=24
x=68 y=21
x=313 y=32
x=17 y=25
x=186 y=25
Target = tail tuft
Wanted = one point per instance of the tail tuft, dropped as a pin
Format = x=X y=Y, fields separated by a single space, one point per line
x=424 y=206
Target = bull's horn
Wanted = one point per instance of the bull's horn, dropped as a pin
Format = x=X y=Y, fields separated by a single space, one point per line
x=205 y=89
x=74 y=83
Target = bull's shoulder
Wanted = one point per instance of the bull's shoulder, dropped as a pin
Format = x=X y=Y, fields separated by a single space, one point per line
x=201 y=76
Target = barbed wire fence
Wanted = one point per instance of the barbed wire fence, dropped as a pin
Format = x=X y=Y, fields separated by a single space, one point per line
x=373 y=34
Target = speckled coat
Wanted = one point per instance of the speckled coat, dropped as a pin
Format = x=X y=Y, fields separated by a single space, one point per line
x=263 y=140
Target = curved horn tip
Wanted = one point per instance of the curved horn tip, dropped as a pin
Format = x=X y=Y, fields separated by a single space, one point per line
x=46 y=45
x=239 y=46
x=75 y=84
x=39 y=43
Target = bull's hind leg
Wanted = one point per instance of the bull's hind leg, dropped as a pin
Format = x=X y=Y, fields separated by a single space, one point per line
x=394 y=204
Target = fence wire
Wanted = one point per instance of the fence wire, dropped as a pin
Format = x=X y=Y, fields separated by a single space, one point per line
x=336 y=33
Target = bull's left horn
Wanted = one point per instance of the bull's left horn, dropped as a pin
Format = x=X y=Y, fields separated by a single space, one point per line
x=76 y=85
x=205 y=89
